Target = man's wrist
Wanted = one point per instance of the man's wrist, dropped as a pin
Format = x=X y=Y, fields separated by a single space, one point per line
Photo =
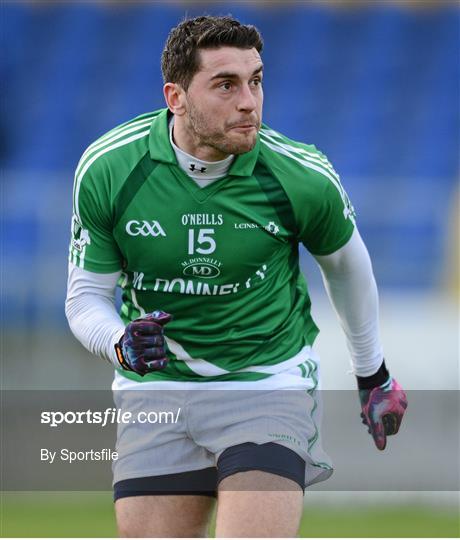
x=380 y=377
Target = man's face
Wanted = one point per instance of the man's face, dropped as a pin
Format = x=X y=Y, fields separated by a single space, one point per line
x=224 y=100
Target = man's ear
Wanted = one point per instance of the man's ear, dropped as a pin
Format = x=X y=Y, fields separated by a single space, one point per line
x=175 y=98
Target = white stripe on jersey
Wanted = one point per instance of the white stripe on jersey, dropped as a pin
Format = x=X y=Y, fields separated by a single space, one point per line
x=110 y=137
x=197 y=365
x=279 y=139
x=304 y=354
x=88 y=164
x=303 y=161
x=106 y=140
x=136 y=303
x=309 y=156
x=207 y=369
x=112 y=132
x=82 y=256
x=79 y=177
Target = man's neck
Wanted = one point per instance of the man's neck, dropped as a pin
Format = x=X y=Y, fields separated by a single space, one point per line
x=186 y=141
x=202 y=171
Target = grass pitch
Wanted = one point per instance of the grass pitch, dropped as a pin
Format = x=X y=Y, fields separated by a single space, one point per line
x=72 y=514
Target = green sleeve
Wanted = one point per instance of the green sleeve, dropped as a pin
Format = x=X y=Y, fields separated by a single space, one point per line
x=330 y=223
x=324 y=216
x=92 y=245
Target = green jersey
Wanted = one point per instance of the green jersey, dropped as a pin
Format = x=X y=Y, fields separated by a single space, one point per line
x=222 y=259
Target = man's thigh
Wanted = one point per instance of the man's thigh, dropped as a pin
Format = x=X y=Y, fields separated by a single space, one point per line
x=163 y=516
x=164 y=483
x=274 y=510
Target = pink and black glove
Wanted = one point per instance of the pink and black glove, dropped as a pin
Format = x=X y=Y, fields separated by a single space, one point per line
x=383 y=403
x=142 y=347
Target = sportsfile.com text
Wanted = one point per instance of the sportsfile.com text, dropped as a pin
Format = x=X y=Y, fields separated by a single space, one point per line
x=109 y=416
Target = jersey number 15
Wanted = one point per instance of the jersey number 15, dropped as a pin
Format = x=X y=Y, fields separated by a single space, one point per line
x=203 y=244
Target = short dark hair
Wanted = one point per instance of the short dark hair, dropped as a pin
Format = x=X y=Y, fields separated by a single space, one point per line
x=180 y=59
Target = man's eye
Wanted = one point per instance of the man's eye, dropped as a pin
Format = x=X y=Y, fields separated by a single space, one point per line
x=257 y=81
x=226 y=85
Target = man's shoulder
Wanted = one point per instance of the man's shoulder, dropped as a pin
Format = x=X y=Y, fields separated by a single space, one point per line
x=270 y=135
x=126 y=142
x=138 y=121
x=303 y=162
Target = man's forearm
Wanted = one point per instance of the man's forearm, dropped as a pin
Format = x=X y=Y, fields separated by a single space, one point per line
x=351 y=287
x=91 y=313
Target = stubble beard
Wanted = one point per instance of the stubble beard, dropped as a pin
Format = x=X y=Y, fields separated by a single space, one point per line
x=219 y=140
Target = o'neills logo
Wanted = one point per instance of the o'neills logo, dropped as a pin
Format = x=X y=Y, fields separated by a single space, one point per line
x=201 y=267
x=202 y=219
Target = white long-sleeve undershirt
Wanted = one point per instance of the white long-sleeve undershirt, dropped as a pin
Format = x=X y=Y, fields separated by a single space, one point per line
x=91 y=313
x=350 y=285
x=347 y=275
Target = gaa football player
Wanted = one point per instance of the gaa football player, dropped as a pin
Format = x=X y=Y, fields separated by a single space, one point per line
x=197 y=212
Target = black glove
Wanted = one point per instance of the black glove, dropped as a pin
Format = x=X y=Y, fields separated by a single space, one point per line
x=142 y=347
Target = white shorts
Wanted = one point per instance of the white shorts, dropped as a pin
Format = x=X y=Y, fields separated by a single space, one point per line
x=190 y=424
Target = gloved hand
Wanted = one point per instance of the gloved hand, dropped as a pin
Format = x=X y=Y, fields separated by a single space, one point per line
x=142 y=347
x=383 y=408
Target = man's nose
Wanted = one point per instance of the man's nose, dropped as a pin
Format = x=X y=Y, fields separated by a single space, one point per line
x=246 y=99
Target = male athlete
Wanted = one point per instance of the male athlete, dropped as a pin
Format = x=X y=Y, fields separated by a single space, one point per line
x=196 y=212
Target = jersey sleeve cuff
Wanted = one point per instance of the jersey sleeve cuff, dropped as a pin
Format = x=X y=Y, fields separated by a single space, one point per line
x=334 y=247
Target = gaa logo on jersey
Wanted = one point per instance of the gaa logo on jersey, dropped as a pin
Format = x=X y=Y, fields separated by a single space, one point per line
x=144 y=228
